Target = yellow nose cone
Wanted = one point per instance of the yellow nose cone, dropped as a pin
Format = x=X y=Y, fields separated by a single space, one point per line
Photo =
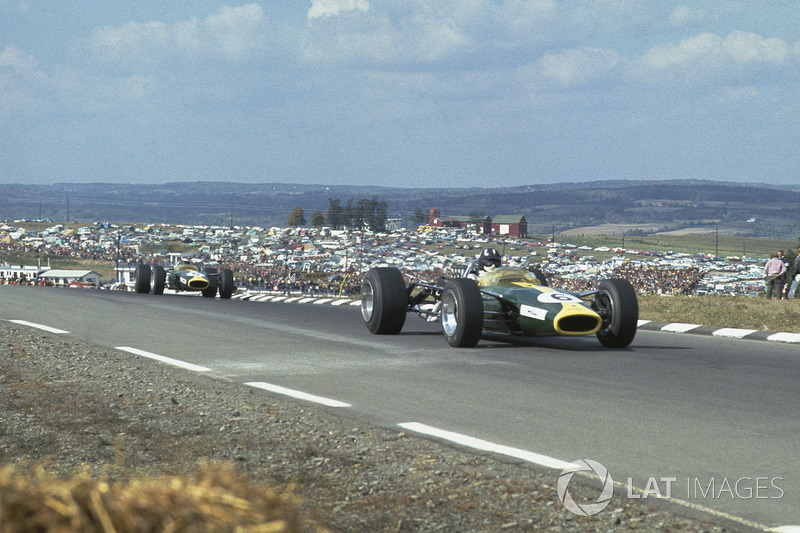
x=198 y=282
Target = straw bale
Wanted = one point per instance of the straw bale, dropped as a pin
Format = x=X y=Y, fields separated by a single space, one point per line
x=214 y=498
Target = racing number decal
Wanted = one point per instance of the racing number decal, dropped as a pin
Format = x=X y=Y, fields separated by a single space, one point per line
x=533 y=312
x=557 y=298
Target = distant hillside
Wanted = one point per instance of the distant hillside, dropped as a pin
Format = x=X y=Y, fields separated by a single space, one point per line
x=746 y=209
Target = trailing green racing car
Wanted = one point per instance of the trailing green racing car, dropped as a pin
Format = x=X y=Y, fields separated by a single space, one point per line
x=184 y=277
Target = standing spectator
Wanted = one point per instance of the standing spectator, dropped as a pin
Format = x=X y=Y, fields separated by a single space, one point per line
x=774 y=268
x=796 y=273
x=780 y=282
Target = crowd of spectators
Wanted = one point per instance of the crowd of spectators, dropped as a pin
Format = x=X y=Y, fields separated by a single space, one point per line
x=317 y=277
x=74 y=248
x=285 y=279
x=644 y=278
x=15 y=279
x=652 y=280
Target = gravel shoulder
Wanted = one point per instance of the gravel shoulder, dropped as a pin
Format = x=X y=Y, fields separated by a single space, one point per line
x=70 y=405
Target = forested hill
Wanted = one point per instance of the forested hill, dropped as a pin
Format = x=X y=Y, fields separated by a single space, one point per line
x=746 y=208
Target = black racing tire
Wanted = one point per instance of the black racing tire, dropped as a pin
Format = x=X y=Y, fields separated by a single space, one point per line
x=462 y=312
x=538 y=274
x=226 y=286
x=384 y=301
x=209 y=292
x=158 y=280
x=617 y=304
x=142 y=283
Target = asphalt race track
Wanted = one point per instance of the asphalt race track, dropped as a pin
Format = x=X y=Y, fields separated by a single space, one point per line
x=713 y=421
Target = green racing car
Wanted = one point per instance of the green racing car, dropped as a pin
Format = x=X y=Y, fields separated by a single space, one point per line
x=508 y=300
x=184 y=277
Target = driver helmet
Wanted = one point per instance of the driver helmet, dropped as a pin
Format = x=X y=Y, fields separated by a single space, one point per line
x=490 y=259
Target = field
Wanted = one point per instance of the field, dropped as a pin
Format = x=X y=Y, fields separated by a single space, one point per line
x=706 y=243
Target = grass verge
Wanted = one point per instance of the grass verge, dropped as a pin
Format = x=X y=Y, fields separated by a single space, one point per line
x=729 y=312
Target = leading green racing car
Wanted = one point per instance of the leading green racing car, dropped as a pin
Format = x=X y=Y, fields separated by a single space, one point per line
x=508 y=300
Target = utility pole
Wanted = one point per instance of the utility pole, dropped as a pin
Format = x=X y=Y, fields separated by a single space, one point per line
x=117 y=257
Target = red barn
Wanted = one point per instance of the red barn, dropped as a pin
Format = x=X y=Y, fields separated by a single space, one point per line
x=510 y=225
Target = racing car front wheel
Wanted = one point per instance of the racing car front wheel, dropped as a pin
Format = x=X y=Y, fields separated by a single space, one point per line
x=226 y=283
x=617 y=304
x=142 y=283
x=384 y=301
x=462 y=312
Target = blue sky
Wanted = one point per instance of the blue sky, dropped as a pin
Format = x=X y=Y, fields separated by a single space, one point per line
x=418 y=93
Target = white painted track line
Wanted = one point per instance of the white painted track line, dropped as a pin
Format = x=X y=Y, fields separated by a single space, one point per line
x=479 y=444
x=164 y=359
x=735 y=333
x=680 y=328
x=297 y=394
x=39 y=326
x=784 y=337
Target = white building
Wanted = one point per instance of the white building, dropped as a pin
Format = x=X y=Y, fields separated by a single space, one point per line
x=65 y=277
x=19 y=272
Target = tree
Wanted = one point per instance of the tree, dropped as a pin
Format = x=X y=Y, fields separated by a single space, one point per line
x=375 y=215
x=317 y=219
x=358 y=215
x=419 y=217
x=476 y=217
x=370 y=214
x=351 y=216
x=296 y=217
x=335 y=214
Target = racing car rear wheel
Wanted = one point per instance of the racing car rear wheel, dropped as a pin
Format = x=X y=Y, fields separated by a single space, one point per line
x=226 y=283
x=158 y=280
x=142 y=283
x=617 y=304
x=384 y=301
x=462 y=312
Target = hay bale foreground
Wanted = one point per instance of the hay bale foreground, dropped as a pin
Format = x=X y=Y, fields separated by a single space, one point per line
x=212 y=499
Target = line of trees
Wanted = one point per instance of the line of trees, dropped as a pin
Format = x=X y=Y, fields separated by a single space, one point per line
x=361 y=214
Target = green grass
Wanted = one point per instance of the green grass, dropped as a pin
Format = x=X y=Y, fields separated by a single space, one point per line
x=723 y=311
x=707 y=244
